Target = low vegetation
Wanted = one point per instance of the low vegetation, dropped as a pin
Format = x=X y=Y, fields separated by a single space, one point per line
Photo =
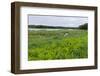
x=57 y=44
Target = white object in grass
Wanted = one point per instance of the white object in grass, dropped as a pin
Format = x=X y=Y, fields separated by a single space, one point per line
x=65 y=34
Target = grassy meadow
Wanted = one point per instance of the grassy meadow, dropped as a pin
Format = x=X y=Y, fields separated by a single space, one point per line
x=57 y=44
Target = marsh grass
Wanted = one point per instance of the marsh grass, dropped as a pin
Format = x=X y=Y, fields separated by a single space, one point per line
x=51 y=45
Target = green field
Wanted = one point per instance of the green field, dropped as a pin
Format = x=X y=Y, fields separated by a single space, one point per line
x=57 y=44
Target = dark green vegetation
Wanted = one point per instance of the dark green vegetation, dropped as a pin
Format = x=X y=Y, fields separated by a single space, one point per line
x=84 y=26
x=57 y=44
x=52 y=27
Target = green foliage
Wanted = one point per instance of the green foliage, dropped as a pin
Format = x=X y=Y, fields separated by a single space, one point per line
x=50 y=45
x=52 y=27
x=84 y=26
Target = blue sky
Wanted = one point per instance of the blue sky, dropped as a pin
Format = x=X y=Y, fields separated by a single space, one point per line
x=65 y=21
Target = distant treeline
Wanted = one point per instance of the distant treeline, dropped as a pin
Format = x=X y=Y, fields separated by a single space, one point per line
x=52 y=27
x=84 y=26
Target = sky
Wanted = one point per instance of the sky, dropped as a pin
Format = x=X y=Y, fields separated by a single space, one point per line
x=64 y=21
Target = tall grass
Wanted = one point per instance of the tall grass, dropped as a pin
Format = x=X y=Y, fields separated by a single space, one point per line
x=50 y=45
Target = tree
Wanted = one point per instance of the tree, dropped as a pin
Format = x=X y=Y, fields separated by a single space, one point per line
x=84 y=26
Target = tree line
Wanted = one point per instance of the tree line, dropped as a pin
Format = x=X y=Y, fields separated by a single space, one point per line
x=83 y=26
